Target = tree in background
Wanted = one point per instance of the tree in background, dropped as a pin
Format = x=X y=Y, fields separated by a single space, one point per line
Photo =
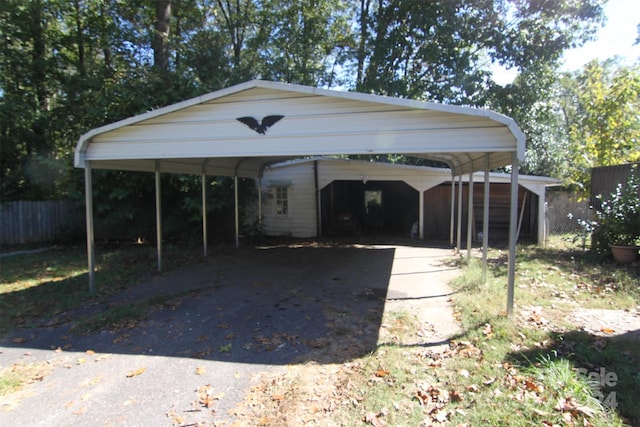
x=443 y=50
x=600 y=105
x=67 y=66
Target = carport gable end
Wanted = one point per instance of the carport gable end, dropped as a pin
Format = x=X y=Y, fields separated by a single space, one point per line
x=318 y=122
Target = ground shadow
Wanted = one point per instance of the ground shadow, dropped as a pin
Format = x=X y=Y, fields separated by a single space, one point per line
x=267 y=305
x=611 y=364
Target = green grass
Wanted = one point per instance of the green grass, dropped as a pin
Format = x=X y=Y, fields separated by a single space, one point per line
x=15 y=377
x=551 y=365
x=41 y=287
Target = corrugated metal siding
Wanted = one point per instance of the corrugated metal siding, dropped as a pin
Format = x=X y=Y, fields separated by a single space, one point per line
x=312 y=125
x=33 y=221
x=437 y=212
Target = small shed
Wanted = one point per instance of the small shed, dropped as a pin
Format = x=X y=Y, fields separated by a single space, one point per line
x=331 y=196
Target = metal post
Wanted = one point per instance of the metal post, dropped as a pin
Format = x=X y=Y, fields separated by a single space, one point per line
x=485 y=218
x=470 y=217
x=158 y=216
x=459 y=231
x=260 y=203
x=453 y=207
x=421 y=213
x=91 y=258
x=513 y=218
x=237 y=216
x=204 y=213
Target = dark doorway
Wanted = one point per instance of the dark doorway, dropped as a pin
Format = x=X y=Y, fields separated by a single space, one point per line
x=374 y=207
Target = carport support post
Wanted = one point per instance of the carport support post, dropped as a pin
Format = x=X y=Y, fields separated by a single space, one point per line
x=421 y=213
x=513 y=220
x=485 y=218
x=158 y=216
x=260 y=203
x=91 y=258
x=204 y=212
x=453 y=206
x=459 y=231
x=470 y=214
x=235 y=194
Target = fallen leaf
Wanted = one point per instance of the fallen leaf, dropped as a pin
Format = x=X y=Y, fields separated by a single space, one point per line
x=489 y=381
x=570 y=405
x=381 y=373
x=225 y=348
x=175 y=418
x=277 y=397
x=90 y=352
x=531 y=386
x=456 y=396
x=607 y=330
x=206 y=396
x=200 y=370
x=19 y=340
x=375 y=419
x=264 y=421
x=136 y=372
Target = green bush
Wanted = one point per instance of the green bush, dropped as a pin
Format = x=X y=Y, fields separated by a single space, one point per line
x=618 y=217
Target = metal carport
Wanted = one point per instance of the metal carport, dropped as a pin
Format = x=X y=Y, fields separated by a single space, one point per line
x=205 y=136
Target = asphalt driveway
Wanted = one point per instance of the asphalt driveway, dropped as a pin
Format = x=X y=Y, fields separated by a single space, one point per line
x=193 y=355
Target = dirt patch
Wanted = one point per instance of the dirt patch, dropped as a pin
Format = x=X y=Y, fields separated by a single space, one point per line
x=610 y=323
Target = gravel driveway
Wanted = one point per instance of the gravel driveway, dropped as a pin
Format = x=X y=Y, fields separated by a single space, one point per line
x=192 y=357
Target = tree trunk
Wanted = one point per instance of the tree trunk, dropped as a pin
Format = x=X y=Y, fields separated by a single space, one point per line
x=364 y=34
x=161 y=35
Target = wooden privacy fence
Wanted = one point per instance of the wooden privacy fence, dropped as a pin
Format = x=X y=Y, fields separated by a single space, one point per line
x=35 y=221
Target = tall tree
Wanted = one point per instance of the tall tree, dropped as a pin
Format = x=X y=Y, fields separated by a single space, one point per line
x=303 y=42
x=443 y=49
x=600 y=107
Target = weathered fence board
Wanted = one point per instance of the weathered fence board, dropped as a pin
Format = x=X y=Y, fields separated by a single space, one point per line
x=33 y=221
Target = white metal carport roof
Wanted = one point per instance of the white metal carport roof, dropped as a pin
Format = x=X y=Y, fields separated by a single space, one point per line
x=316 y=122
x=205 y=135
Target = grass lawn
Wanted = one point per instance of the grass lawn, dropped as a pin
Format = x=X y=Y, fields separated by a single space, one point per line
x=39 y=288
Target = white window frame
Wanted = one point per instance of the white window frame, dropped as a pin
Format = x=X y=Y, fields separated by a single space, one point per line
x=281 y=201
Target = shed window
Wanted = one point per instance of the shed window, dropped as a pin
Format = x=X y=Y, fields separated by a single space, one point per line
x=282 y=201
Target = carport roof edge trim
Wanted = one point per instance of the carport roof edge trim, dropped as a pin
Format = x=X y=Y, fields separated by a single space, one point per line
x=84 y=140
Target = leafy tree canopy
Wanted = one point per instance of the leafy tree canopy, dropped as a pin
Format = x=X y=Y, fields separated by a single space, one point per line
x=67 y=66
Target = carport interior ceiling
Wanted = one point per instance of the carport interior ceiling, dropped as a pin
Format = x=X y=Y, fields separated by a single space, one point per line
x=212 y=134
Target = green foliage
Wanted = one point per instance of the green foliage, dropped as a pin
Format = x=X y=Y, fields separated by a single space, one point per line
x=70 y=66
x=600 y=106
x=618 y=216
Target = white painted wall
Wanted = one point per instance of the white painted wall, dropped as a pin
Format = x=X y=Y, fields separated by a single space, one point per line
x=301 y=220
